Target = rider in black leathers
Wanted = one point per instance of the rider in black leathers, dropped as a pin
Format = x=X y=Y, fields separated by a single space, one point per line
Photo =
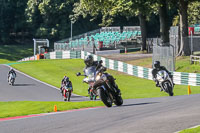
x=89 y=61
x=156 y=69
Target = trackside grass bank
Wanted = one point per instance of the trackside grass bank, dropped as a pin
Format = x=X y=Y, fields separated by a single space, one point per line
x=52 y=71
x=191 y=130
x=20 y=108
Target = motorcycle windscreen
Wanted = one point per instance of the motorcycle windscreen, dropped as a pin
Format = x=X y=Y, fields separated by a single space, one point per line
x=90 y=72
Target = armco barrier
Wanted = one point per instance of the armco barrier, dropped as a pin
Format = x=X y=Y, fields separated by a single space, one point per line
x=138 y=71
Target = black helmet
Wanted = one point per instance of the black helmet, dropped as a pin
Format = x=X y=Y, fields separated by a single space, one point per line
x=89 y=60
x=156 y=64
x=66 y=80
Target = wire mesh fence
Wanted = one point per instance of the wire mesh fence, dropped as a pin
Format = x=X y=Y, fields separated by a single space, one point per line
x=164 y=54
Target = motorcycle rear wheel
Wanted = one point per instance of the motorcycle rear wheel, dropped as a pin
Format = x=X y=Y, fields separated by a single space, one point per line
x=92 y=96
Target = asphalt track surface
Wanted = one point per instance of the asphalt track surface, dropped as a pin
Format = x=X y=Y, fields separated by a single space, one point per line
x=149 y=115
x=27 y=89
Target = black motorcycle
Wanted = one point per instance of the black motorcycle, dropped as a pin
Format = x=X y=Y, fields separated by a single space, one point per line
x=105 y=89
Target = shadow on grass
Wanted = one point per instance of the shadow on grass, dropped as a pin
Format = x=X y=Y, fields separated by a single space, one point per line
x=15 y=52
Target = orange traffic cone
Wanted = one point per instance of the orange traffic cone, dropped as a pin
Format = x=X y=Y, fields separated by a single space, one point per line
x=189 y=90
x=55 y=108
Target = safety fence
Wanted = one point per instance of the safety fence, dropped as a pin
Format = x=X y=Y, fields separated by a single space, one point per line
x=29 y=58
x=180 y=78
x=56 y=55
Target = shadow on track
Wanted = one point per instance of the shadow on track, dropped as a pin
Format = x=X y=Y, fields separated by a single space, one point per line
x=24 y=85
x=139 y=104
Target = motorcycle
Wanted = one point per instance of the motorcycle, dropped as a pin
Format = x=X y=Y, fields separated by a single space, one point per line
x=66 y=92
x=106 y=91
x=165 y=82
x=11 y=79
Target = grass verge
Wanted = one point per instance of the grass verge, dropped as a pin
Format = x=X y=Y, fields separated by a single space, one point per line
x=191 y=130
x=20 y=108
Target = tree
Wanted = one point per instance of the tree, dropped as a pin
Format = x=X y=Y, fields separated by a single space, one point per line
x=12 y=20
x=184 y=44
x=49 y=18
x=164 y=24
x=188 y=14
x=194 y=13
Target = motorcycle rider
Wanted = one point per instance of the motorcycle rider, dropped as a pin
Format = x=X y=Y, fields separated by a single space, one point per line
x=62 y=83
x=89 y=61
x=156 y=69
x=68 y=83
x=12 y=71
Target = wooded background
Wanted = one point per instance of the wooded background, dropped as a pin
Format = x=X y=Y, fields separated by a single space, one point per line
x=23 y=20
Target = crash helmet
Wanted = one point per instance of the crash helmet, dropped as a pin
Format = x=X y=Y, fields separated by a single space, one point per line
x=11 y=69
x=67 y=79
x=156 y=64
x=89 y=60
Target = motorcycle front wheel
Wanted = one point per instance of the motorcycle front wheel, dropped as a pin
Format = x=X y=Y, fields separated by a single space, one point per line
x=12 y=82
x=169 y=88
x=65 y=95
x=118 y=101
x=105 y=98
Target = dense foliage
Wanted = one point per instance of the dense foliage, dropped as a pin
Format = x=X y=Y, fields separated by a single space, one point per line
x=22 y=20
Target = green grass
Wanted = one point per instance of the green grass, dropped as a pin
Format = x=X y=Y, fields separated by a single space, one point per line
x=192 y=130
x=52 y=71
x=182 y=64
x=20 y=108
x=146 y=62
x=10 y=53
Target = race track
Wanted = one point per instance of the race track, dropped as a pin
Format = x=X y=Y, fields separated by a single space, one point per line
x=27 y=89
x=149 y=115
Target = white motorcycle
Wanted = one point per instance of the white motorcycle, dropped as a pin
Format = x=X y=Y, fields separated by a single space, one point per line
x=11 y=79
x=165 y=82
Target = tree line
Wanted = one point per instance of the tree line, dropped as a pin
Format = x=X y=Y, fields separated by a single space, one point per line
x=22 y=20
